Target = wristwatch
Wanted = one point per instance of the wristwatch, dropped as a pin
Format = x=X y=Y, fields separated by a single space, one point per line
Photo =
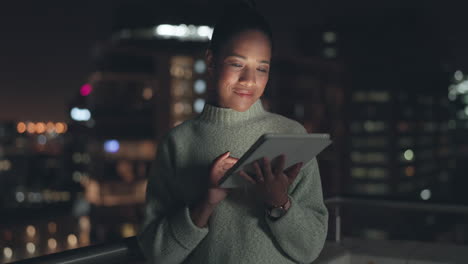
x=276 y=212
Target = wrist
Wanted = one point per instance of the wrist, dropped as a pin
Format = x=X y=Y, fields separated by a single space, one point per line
x=276 y=212
x=200 y=213
x=274 y=203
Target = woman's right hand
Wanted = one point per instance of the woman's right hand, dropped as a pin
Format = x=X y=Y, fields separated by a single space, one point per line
x=218 y=168
x=202 y=211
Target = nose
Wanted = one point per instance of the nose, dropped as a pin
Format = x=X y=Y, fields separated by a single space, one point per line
x=247 y=78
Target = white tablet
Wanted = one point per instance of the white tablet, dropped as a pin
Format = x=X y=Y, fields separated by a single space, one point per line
x=296 y=147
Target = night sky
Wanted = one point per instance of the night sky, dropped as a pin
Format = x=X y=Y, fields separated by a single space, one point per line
x=46 y=47
x=45 y=53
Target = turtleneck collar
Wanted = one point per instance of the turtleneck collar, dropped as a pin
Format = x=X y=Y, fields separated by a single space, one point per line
x=229 y=116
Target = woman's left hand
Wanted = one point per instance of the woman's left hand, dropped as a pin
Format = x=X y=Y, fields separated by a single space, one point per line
x=272 y=180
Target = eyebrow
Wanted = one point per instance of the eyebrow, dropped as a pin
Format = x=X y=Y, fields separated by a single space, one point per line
x=243 y=57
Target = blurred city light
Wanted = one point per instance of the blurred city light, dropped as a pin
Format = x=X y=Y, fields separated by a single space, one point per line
x=30 y=231
x=30 y=247
x=60 y=127
x=31 y=127
x=425 y=194
x=199 y=86
x=330 y=53
x=7 y=253
x=41 y=140
x=5 y=165
x=184 y=32
x=21 y=127
x=458 y=75
x=79 y=114
x=111 y=146
x=52 y=227
x=20 y=197
x=147 y=93
x=50 y=127
x=329 y=37
x=72 y=240
x=86 y=89
x=40 y=128
x=198 y=105
x=408 y=154
x=52 y=243
x=199 y=66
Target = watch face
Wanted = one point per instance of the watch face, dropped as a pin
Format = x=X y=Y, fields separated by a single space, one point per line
x=277 y=212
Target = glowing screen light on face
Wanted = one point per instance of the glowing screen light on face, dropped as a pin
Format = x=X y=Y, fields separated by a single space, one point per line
x=111 y=146
x=86 y=89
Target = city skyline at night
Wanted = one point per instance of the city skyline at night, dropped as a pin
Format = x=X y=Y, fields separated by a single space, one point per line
x=89 y=89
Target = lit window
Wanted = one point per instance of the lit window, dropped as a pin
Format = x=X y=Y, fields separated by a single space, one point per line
x=330 y=53
x=30 y=247
x=409 y=171
x=79 y=114
x=8 y=253
x=458 y=75
x=52 y=243
x=184 y=32
x=329 y=37
x=147 y=93
x=425 y=194
x=198 y=105
x=72 y=240
x=21 y=127
x=178 y=108
x=111 y=146
x=30 y=231
x=408 y=155
x=41 y=140
x=199 y=86
x=199 y=66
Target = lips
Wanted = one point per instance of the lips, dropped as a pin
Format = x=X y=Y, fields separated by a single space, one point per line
x=244 y=93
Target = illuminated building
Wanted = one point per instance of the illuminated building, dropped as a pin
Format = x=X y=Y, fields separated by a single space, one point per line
x=146 y=80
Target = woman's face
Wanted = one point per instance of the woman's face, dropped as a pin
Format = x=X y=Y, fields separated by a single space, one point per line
x=241 y=70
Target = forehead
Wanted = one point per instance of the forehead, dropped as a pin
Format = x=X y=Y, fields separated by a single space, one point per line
x=251 y=43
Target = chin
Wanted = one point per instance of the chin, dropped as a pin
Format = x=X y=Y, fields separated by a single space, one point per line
x=242 y=107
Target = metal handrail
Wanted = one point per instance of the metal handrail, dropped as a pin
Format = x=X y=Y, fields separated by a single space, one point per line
x=128 y=251
x=125 y=251
x=420 y=206
x=338 y=201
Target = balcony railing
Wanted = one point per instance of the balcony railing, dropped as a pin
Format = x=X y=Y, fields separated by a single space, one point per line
x=127 y=250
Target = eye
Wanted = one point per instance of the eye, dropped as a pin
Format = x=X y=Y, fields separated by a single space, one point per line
x=264 y=70
x=237 y=65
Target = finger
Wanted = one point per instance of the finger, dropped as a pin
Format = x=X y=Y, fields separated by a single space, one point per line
x=232 y=159
x=227 y=166
x=244 y=175
x=222 y=157
x=267 y=169
x=280 y=162
x=292 y=174
x=258 y=172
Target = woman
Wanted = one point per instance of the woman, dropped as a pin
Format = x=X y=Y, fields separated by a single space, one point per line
x=189 y=219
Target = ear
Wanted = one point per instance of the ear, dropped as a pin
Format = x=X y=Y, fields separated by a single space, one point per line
x=209 y=57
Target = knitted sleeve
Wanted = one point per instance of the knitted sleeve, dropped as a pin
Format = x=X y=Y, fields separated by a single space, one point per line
x=302 y=231
x=168 y=234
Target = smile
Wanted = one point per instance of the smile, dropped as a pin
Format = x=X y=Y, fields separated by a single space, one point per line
x=244 y=93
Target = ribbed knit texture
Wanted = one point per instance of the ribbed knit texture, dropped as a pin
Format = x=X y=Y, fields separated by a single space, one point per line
x=239 y=230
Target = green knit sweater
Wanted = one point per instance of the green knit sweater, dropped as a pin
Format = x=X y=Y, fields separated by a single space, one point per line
x=239 y=230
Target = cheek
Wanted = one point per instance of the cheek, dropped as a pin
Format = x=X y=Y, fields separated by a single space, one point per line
x=227 y=78
x=262 y=82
